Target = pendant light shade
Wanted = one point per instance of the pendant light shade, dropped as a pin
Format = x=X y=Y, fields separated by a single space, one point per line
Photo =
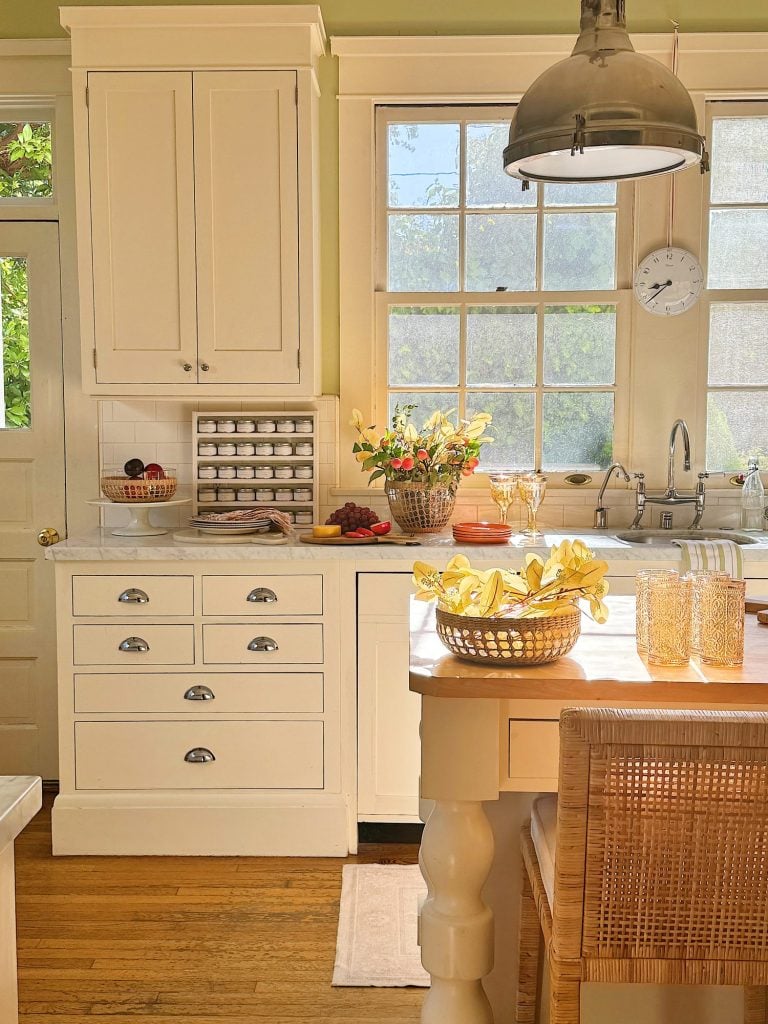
x=605 y=113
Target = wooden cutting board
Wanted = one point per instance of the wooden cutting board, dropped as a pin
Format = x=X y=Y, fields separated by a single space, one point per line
x=756 y=604
x=349 y=541
x=763 y=617
x=194 y=537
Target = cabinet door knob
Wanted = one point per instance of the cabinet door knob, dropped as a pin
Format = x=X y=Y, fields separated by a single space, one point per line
x=262 y=595
x=187 y=367
x=199 y=693
x=199 y=755
x=133 y=596
x=262 y=645
x=133 y=645
x=204 y=367
x=47 y=537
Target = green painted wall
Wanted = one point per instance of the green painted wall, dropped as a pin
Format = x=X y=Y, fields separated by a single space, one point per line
x=28 y=19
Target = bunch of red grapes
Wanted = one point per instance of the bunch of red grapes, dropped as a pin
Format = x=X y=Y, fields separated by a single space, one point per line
x=351 y=517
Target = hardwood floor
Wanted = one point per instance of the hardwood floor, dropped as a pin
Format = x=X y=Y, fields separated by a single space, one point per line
x=166 y=940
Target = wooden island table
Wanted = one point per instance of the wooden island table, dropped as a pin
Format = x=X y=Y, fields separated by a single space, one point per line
x=487 y=731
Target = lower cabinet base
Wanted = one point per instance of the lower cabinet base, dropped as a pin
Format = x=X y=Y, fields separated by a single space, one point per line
x=219 y=825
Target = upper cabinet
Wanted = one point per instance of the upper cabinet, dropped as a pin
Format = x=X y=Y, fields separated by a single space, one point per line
x=197 y=199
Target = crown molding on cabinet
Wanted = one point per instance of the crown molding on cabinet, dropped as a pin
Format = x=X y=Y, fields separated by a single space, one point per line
x=199 y=36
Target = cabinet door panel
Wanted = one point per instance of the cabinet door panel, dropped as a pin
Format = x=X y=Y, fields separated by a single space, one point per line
x=143 y=226
x=246 y=196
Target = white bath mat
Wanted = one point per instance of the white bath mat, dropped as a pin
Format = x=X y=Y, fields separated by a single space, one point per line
x=376 y=943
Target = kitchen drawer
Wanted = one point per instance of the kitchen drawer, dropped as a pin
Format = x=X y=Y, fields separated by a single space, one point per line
x=246 y=692
x=167 y=645
x=263 y=595
x=132 y=596
x=151 y=755
x=283 y=643
x=534 y=751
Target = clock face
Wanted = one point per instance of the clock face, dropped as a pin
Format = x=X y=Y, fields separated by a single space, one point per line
x=668 y=281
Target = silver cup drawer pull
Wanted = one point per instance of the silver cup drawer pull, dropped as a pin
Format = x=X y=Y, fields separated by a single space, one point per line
x=199 y=692
x=263 y=645
x=199 y=755
x=133 y=645
x=262 y=595
x=134 y=596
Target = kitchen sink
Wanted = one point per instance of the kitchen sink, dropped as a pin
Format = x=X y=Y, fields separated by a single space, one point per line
x=662 y=537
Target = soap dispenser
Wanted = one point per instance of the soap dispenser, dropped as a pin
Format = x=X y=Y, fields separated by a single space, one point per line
x=753 y=500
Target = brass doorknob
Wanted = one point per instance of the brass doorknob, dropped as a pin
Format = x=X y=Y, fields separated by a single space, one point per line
x=48 y=536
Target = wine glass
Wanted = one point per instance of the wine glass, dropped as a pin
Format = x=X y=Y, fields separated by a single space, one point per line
x=532 y=486
x=503 y=493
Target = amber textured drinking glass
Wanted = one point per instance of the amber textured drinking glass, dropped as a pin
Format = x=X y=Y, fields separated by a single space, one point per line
x=700 y=580
x=669 y=621
x=642 y=578
x=722 y=622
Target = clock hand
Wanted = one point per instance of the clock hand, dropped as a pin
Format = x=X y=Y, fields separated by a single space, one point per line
x=659 y=289
x=666 y=284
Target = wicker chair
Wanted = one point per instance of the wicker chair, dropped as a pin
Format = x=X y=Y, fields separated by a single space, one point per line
x=656 y=848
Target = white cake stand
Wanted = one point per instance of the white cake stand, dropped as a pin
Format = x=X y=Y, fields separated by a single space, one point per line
x=139 y=524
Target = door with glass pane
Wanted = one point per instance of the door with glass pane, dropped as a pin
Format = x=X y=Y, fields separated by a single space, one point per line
x=31 y=492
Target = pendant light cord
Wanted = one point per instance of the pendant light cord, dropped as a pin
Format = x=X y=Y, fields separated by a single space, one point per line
x=672 y=177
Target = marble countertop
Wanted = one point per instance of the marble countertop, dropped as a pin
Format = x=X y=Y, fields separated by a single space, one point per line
x=102 y=546
x=21 y=797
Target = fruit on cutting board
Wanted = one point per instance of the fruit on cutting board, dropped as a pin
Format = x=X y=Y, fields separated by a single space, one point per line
x=326 y=531
x=381 y=529
x=351 y=516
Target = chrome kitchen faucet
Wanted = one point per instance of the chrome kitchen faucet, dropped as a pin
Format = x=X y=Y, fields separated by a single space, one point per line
x=671 y=496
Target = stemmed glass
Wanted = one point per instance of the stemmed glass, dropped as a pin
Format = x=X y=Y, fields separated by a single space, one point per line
x=503 y=493
x=532 y=486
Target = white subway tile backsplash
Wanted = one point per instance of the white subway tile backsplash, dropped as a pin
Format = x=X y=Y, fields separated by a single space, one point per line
x=157 y=431
x=134 y=412
x=117 y=431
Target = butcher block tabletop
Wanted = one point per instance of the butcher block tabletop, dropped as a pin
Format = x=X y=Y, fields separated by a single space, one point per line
x=604 y=665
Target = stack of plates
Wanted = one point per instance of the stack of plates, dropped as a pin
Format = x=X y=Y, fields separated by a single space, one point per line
x=481 y=533
x=233 y=528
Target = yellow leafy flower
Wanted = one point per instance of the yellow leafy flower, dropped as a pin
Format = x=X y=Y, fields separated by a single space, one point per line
x=357 y=420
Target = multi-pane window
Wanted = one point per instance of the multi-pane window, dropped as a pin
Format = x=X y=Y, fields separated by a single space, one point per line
x=26 y=160
x=492 y=298
x=737 y=279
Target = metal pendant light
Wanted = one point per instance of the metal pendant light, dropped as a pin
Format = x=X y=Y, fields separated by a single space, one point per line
x=605 y=113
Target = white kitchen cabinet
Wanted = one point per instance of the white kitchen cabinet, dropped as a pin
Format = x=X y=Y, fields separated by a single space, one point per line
x=217 y=732
x=196 y=191
x=388 y=714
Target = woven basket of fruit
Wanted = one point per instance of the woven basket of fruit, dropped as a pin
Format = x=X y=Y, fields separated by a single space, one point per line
x=126 y=489
x=139 y=483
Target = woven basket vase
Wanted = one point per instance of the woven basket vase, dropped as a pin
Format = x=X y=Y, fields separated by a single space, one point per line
x=418 y=508
x=509 y=641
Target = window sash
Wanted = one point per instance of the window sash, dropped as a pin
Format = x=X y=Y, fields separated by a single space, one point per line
x=620 y=296
x=718 y=109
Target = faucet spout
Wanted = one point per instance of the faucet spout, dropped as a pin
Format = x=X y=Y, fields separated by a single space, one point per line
x=600 y=511
x=682 y=426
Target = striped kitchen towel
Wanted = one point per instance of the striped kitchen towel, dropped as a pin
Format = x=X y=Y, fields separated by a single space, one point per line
x=712 y=554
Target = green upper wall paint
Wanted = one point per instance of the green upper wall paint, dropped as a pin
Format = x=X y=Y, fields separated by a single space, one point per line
x=39 y=19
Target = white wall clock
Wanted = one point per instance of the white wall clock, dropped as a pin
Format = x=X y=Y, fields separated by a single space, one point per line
x=668 y=281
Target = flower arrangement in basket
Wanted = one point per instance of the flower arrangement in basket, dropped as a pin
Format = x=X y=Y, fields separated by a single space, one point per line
x=421 y=468
x=528 y=617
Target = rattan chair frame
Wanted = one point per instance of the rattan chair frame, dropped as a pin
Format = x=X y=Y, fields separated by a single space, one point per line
x=661 y=870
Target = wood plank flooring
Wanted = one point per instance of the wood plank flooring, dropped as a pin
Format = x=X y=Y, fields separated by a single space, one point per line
x=198 y=940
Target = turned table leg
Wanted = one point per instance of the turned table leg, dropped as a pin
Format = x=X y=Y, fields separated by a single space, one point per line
x=456 y=927
x=459 y=770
